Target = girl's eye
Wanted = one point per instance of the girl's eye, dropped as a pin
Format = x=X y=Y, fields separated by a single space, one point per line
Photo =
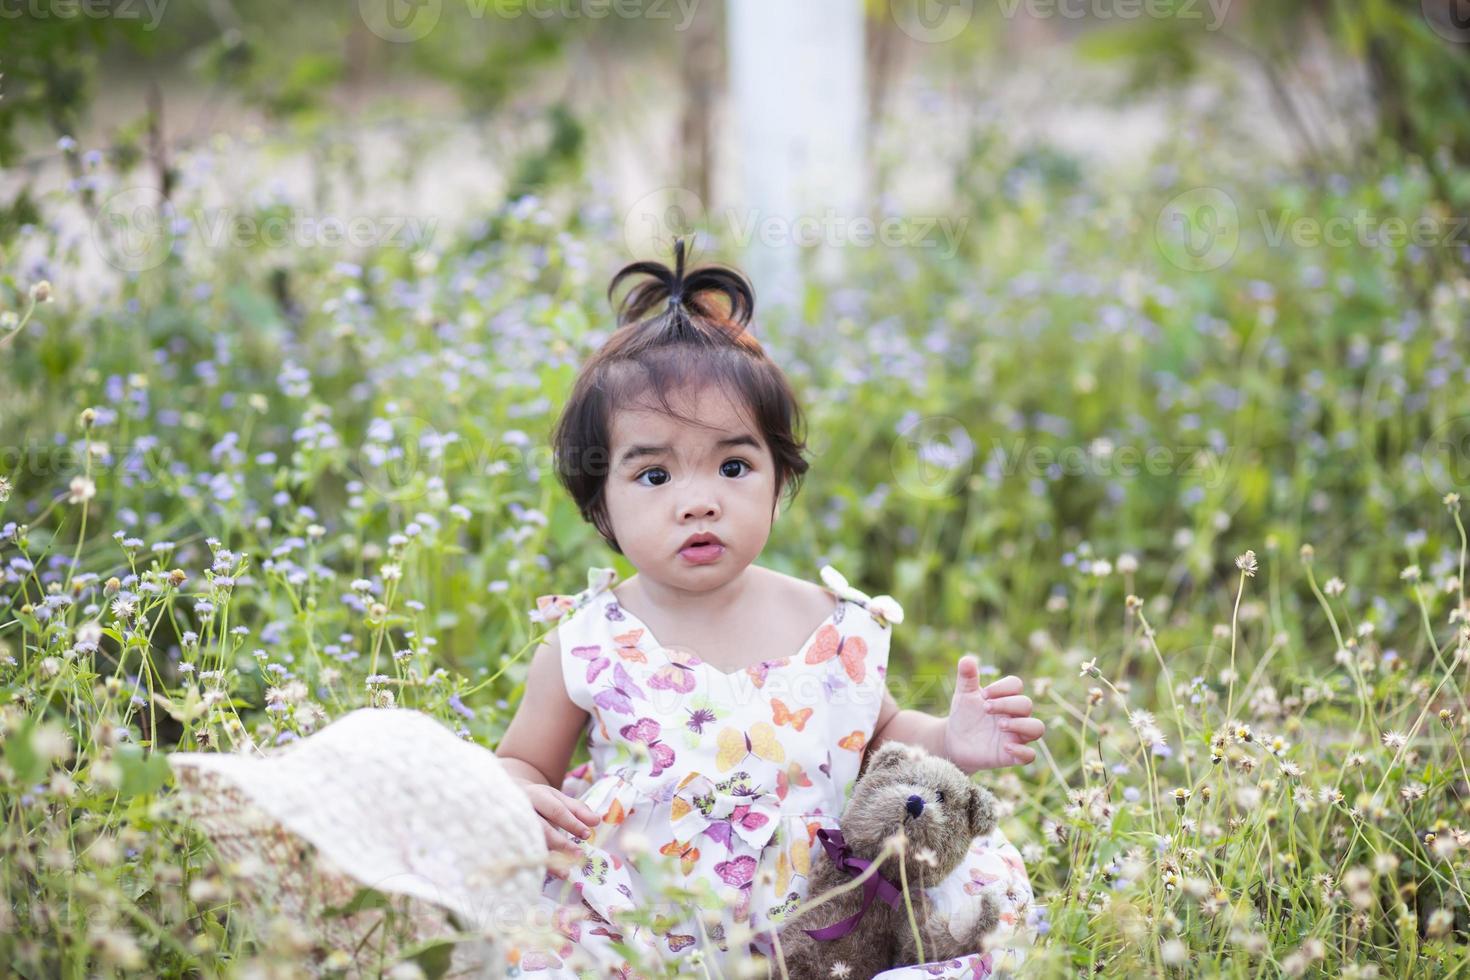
x=723 y=469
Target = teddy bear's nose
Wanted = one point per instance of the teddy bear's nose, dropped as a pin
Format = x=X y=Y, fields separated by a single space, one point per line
x=915 y=805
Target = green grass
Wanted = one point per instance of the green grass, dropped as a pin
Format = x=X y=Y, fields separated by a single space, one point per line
x=1244 y=774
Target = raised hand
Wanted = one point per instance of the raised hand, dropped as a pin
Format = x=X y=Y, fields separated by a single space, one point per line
x=988 y=728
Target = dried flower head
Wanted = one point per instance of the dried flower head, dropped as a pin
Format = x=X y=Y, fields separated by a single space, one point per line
x=81 y=490
x=1247 y=563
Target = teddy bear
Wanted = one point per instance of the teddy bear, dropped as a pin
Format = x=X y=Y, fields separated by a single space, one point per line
x=939 y=810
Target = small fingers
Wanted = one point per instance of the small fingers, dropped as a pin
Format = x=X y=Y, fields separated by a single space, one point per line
x=1022 y=754
x=556 y=810
x=584 y=812
x=969 y=674
x=557 y=843
x=1026 y=729
x=1016 y=704
x=1009 y=684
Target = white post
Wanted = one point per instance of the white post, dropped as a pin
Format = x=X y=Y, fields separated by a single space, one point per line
x=796 y=80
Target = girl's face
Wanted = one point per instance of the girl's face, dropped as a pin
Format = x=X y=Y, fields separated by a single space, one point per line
x=668 y=480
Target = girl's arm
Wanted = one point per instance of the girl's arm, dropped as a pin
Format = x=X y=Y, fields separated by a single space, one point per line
x=987 y=728
x=538 y=745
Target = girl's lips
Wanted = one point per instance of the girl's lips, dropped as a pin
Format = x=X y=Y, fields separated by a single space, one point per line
x=702 y=554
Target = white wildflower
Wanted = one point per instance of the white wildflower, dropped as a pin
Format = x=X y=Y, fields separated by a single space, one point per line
x=81 y=490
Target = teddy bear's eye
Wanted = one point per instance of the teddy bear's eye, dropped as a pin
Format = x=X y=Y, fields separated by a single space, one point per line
x=939 y=796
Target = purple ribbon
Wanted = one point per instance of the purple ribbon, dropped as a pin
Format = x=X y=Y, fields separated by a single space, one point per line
x=875 y=887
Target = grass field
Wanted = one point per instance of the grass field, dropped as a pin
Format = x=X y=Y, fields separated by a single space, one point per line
x=1182 y=452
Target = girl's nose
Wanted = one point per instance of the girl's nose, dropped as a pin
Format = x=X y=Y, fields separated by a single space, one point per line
x=915 y=805
x=696 y=511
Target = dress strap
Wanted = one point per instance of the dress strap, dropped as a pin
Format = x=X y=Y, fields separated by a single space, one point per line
x=883 y=608
x=551 y=608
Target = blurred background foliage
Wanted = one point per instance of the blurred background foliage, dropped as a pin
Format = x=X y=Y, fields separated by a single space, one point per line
x=308 y=433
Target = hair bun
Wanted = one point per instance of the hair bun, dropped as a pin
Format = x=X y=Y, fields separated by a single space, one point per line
x=683 y=293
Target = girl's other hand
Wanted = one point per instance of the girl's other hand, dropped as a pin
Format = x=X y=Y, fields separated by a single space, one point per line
x=988 y=728
x=561 y=813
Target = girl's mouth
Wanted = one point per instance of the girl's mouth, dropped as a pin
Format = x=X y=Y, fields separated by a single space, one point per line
x=702 y=554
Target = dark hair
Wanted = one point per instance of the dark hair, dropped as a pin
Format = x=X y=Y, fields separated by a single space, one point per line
x=675 y=329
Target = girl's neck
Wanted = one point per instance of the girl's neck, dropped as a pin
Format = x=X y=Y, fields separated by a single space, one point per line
x=685 y=605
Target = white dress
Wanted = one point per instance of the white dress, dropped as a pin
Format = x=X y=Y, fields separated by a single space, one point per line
x=716 y=783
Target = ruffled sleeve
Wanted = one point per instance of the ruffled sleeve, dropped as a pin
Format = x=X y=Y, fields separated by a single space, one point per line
x=582 y=656
x=551 y=608
x=883 y=608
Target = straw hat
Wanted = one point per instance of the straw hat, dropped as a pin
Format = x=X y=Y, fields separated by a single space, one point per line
x=383 y=799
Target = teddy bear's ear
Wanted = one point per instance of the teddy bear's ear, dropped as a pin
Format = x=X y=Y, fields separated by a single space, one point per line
x=980 y=807
x=889 y=755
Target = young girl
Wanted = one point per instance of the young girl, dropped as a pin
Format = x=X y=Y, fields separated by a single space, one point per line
x=727 y=707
